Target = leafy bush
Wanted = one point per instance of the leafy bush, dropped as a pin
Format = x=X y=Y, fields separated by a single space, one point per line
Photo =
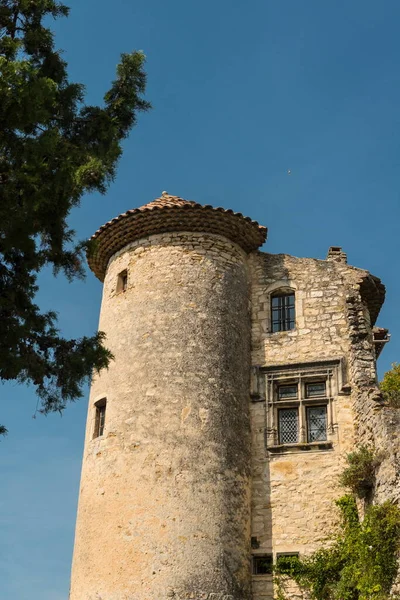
x=360 y=564
x=359 y=476
x=390 y=386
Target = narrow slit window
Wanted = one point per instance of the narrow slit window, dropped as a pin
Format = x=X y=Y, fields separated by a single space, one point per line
x=316 y=423
x=122 y=281
x=262 y=564
x=283 y=312
x=100 y=418
x=288 y=425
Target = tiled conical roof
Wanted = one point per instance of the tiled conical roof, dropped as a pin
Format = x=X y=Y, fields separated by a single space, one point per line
x=166 y=214
x=167 y=200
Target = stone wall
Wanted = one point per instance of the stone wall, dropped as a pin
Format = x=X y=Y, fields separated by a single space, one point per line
x=164 y=508
x=377 y=425
x=294 y=490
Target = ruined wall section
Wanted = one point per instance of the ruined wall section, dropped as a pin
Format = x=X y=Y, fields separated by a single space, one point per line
x=164 y=508
x=377 y=425
x=294 y=491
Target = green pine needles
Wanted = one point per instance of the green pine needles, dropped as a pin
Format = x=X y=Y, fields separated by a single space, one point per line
x=54 y=148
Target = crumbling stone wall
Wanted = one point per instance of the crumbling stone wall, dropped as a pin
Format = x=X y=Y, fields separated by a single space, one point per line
x=377 y=425
x=164 y=508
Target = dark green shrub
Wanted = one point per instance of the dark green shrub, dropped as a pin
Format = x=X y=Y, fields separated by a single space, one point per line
x=359 y=475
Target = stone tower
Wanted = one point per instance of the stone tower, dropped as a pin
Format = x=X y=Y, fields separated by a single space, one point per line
x=164 y=506
x=215 y=439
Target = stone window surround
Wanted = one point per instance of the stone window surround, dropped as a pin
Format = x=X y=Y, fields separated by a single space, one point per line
x=264 y=384
x=301 y=404
x=301 y=377
x=263 y=555
x=284 y=286
x=99 y=403
x=100 y=418
x=283 y=310
x=122 y=281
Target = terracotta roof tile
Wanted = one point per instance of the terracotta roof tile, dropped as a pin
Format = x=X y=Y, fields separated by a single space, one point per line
x=166 y=214
x=167 y=200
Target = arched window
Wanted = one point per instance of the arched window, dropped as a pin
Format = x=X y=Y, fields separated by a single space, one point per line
x=282 y=310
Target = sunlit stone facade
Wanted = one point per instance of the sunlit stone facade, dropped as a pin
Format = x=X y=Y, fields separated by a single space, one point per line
x=215 y=438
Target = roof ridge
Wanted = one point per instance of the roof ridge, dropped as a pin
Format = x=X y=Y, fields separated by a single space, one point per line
x=167 y=200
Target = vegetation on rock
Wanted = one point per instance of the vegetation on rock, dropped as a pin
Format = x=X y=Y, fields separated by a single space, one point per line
x=359 y=475
x=53 y=149
x=360 y=563
x=390 y=386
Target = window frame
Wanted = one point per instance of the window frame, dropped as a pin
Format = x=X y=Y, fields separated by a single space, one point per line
x=302 y=404
x=122 y=282
x=311 y=396
x=287 y=408
x=284 y=321
x=288 y=385
x=257 y=558
x=328 y=372
x=99 y=418
x=313 y=407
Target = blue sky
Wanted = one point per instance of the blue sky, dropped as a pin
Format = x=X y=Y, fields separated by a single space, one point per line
x=242 y=93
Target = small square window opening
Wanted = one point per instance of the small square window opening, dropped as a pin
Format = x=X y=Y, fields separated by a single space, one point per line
x=262 y=564
x=316 y=389
x=285 y=392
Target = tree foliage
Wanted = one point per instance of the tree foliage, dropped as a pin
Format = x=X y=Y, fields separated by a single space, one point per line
x=361 y=562
x=390 y=386
x=53 y=149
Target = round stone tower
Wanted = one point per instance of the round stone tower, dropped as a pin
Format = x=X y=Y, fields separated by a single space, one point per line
x=164 y=506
